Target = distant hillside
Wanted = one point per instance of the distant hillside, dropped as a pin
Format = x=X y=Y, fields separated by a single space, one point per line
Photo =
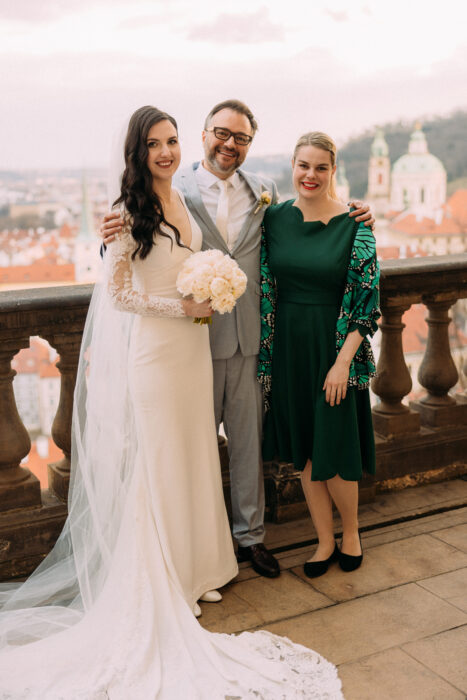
x=446 y=136
x=277 y=167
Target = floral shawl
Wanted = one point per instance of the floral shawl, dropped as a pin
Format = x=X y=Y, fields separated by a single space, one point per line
x=359 y=310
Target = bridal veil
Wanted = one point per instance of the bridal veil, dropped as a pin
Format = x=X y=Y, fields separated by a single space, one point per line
x=67 y=582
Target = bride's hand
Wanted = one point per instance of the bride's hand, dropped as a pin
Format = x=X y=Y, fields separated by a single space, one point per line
x=195 y=309
x=111 y=225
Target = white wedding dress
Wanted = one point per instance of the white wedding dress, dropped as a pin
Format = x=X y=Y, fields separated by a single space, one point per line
x=119 y=625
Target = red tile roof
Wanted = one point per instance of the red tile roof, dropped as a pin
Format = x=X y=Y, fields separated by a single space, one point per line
x=415 y=333
x=48 y=371
x=38 y=465
x=456 y=207
x=454 y=219
x=388 y=252
x=413 y=226
x=39 y=271
x=30 y=360
x=391 y=252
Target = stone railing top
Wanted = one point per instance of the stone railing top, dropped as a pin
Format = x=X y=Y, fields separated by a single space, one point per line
x=411 y=279
x=421 y=279
x=44 y=310
x=36 y=299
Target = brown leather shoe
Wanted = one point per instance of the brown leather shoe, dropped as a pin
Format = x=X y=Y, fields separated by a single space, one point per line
x=262 y=561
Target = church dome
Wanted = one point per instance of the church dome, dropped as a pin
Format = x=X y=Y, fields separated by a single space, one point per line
x=419 y=164
x=418 y=178
x=418 y=160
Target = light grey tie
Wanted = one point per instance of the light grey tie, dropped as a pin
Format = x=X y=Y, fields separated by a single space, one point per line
x=222 y=215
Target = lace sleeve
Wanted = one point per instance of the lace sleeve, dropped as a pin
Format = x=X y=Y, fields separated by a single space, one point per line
x=120 y=285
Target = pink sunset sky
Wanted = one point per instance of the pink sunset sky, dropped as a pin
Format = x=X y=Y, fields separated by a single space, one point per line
x=72 y=71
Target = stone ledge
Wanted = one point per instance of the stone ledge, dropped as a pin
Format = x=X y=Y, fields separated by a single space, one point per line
x=430 y=450
x=27 y=536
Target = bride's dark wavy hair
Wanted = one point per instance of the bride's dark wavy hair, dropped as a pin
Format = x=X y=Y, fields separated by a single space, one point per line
x=137 y=194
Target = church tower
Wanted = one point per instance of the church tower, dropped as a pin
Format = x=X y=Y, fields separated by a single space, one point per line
x=342 y=184
x=87 y=260
x=379 y=175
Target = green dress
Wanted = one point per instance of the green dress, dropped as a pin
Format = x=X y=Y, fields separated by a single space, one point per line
x=309 y=261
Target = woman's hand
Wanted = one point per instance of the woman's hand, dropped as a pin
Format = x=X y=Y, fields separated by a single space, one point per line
x=111 y=225
x=335 y=384
x=195 y=309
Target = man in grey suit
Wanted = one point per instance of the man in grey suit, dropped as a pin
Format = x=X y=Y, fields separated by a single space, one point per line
x=224 y=200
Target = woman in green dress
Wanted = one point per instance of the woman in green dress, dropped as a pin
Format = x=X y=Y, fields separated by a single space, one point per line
x=319 y=302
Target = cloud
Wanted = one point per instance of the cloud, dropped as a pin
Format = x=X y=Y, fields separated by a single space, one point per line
x=31 y=11
x=160 y=15
x=337 y=16
x=61 y=110
x=141 y=22
x=255 y=28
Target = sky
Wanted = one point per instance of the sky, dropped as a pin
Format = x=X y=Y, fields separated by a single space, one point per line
x=73 y=71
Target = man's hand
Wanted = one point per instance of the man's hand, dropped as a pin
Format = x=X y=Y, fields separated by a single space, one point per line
x=197 y=310
x=111 y=225
x=362 y=213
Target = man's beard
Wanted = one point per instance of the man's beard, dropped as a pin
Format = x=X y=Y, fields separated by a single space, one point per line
x=215 y=165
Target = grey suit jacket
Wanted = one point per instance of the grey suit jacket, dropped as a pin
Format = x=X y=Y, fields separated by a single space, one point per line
x=242 y=326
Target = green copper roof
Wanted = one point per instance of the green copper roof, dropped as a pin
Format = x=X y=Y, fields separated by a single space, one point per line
x=379 y=147
x=418 y=163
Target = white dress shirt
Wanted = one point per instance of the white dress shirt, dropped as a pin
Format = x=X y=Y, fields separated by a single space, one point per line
x=241 y=200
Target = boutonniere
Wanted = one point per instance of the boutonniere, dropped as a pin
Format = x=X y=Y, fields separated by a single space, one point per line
x=264 y=201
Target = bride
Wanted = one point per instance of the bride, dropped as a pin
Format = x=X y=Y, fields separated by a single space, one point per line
x=109 y=613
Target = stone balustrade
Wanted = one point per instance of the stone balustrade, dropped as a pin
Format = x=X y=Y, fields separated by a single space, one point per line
x=30 y=520
x=437 y=283
x=423 y=439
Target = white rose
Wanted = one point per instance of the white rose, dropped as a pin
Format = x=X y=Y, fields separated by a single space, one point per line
x=219 y=286
x=225 y=267
x=224 y=304
x=209 y=256
x=239 y=282
x=201 y=287
x=185 y=282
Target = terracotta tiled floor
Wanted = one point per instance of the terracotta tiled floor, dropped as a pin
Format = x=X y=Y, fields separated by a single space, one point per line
x=397 y=627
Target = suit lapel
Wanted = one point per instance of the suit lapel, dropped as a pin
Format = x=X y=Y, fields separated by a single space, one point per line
x=195 y=204
x=254 y=218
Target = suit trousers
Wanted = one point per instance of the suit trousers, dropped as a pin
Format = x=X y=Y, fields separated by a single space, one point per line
x=238 y=404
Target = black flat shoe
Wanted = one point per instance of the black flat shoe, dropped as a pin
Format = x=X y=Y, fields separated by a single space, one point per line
x=347 y=562
x=312 y=569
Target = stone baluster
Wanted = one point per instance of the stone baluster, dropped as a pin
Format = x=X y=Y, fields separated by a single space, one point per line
x=391 y=417
x=68 y=347
x=463 y=396
x=18 y=487
x=438 y=373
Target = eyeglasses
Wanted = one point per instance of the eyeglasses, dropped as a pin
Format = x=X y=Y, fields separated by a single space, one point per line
x=225 y=134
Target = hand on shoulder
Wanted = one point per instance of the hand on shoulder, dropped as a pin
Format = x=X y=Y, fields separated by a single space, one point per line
x=112 y=223
x=362 y=213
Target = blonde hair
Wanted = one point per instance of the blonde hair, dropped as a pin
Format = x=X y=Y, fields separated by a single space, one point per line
x=325 y=143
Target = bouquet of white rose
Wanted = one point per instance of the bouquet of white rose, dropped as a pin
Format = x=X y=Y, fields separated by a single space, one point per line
x=212 y=275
